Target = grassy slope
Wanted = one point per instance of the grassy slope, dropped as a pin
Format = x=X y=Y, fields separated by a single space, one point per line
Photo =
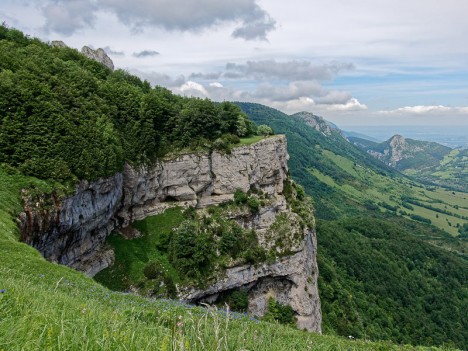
x=131 y=256
x=452 y=171
x=44 y=306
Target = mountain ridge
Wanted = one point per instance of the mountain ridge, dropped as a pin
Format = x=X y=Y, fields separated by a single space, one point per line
x=428 y=162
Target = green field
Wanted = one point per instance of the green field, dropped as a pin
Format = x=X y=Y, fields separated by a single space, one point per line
x=369 y=186
x=251 y=140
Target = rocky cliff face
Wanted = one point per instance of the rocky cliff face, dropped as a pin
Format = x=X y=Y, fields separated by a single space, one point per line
x=403 y=154
x=396 y=150
x=319 y=124
x=98 y=55
x=291 y=280
x=71 y=230
x=200 y=180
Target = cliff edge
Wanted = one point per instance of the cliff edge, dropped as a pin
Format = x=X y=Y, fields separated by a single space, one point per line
x=72 y=231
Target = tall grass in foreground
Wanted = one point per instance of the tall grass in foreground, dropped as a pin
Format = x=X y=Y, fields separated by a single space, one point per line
x=63 y=310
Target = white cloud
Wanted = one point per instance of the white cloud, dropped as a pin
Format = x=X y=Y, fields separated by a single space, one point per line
x=290 y=70
x=112 y=52
x=292 y=91
x=387 y=57
x=145 y=54
x=216 y=85
x=69 y=17
x=160 y=79
x=190 y=88
x=425 y=109
x=253 y=22
x=351 y=105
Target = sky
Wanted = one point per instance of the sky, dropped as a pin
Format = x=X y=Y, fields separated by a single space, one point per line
x=354 y=62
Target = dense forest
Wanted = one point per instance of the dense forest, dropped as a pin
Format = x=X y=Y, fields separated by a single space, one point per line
x=378 y=281
x=63 y=116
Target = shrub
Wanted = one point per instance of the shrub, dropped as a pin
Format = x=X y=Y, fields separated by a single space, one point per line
x=420 y=219
x=253 y=204
x=238 y=300
x=255 y=255
x=240 y=197
x=220 y=144
x=231 y=138
x=264 y=130
x=231 y=241
x=153 y=270
x=283 y=314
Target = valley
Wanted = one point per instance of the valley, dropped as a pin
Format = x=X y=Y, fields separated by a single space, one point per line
x=427 y=162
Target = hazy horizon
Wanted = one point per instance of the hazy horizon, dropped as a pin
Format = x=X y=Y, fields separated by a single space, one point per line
x=452 y=136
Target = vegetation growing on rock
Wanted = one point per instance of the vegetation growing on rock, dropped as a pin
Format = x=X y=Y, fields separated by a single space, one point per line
x=187 y=247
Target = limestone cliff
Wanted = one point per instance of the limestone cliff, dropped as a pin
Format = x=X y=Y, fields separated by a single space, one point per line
x=204 y=179
x=71 y=230
x=98 y=55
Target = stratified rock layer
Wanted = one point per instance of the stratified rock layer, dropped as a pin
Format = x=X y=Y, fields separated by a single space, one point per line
x=200 y=180
x=72 y=231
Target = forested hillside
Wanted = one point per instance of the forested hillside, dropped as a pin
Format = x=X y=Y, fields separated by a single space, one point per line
x=306 y=147
x=63 y=116
x=380 y=275
x=346 y=181
x=379 y=281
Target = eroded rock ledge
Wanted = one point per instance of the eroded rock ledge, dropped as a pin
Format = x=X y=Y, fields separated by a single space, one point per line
x=72 y=231
x=201 y=180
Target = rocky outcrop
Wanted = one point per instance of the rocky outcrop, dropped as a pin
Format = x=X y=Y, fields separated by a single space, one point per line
x=406 y=154
x=397 y=150
x=98 y=55
x=71 y=231
x=207 y=179
x=292 y=280
x=58 y=44
x=200 y=180
x=319 y=124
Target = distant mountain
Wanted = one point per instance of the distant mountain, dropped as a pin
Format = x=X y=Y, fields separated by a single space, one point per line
x=346 y=181
x=403 y=154
x=426 y=161
x=318 y=123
